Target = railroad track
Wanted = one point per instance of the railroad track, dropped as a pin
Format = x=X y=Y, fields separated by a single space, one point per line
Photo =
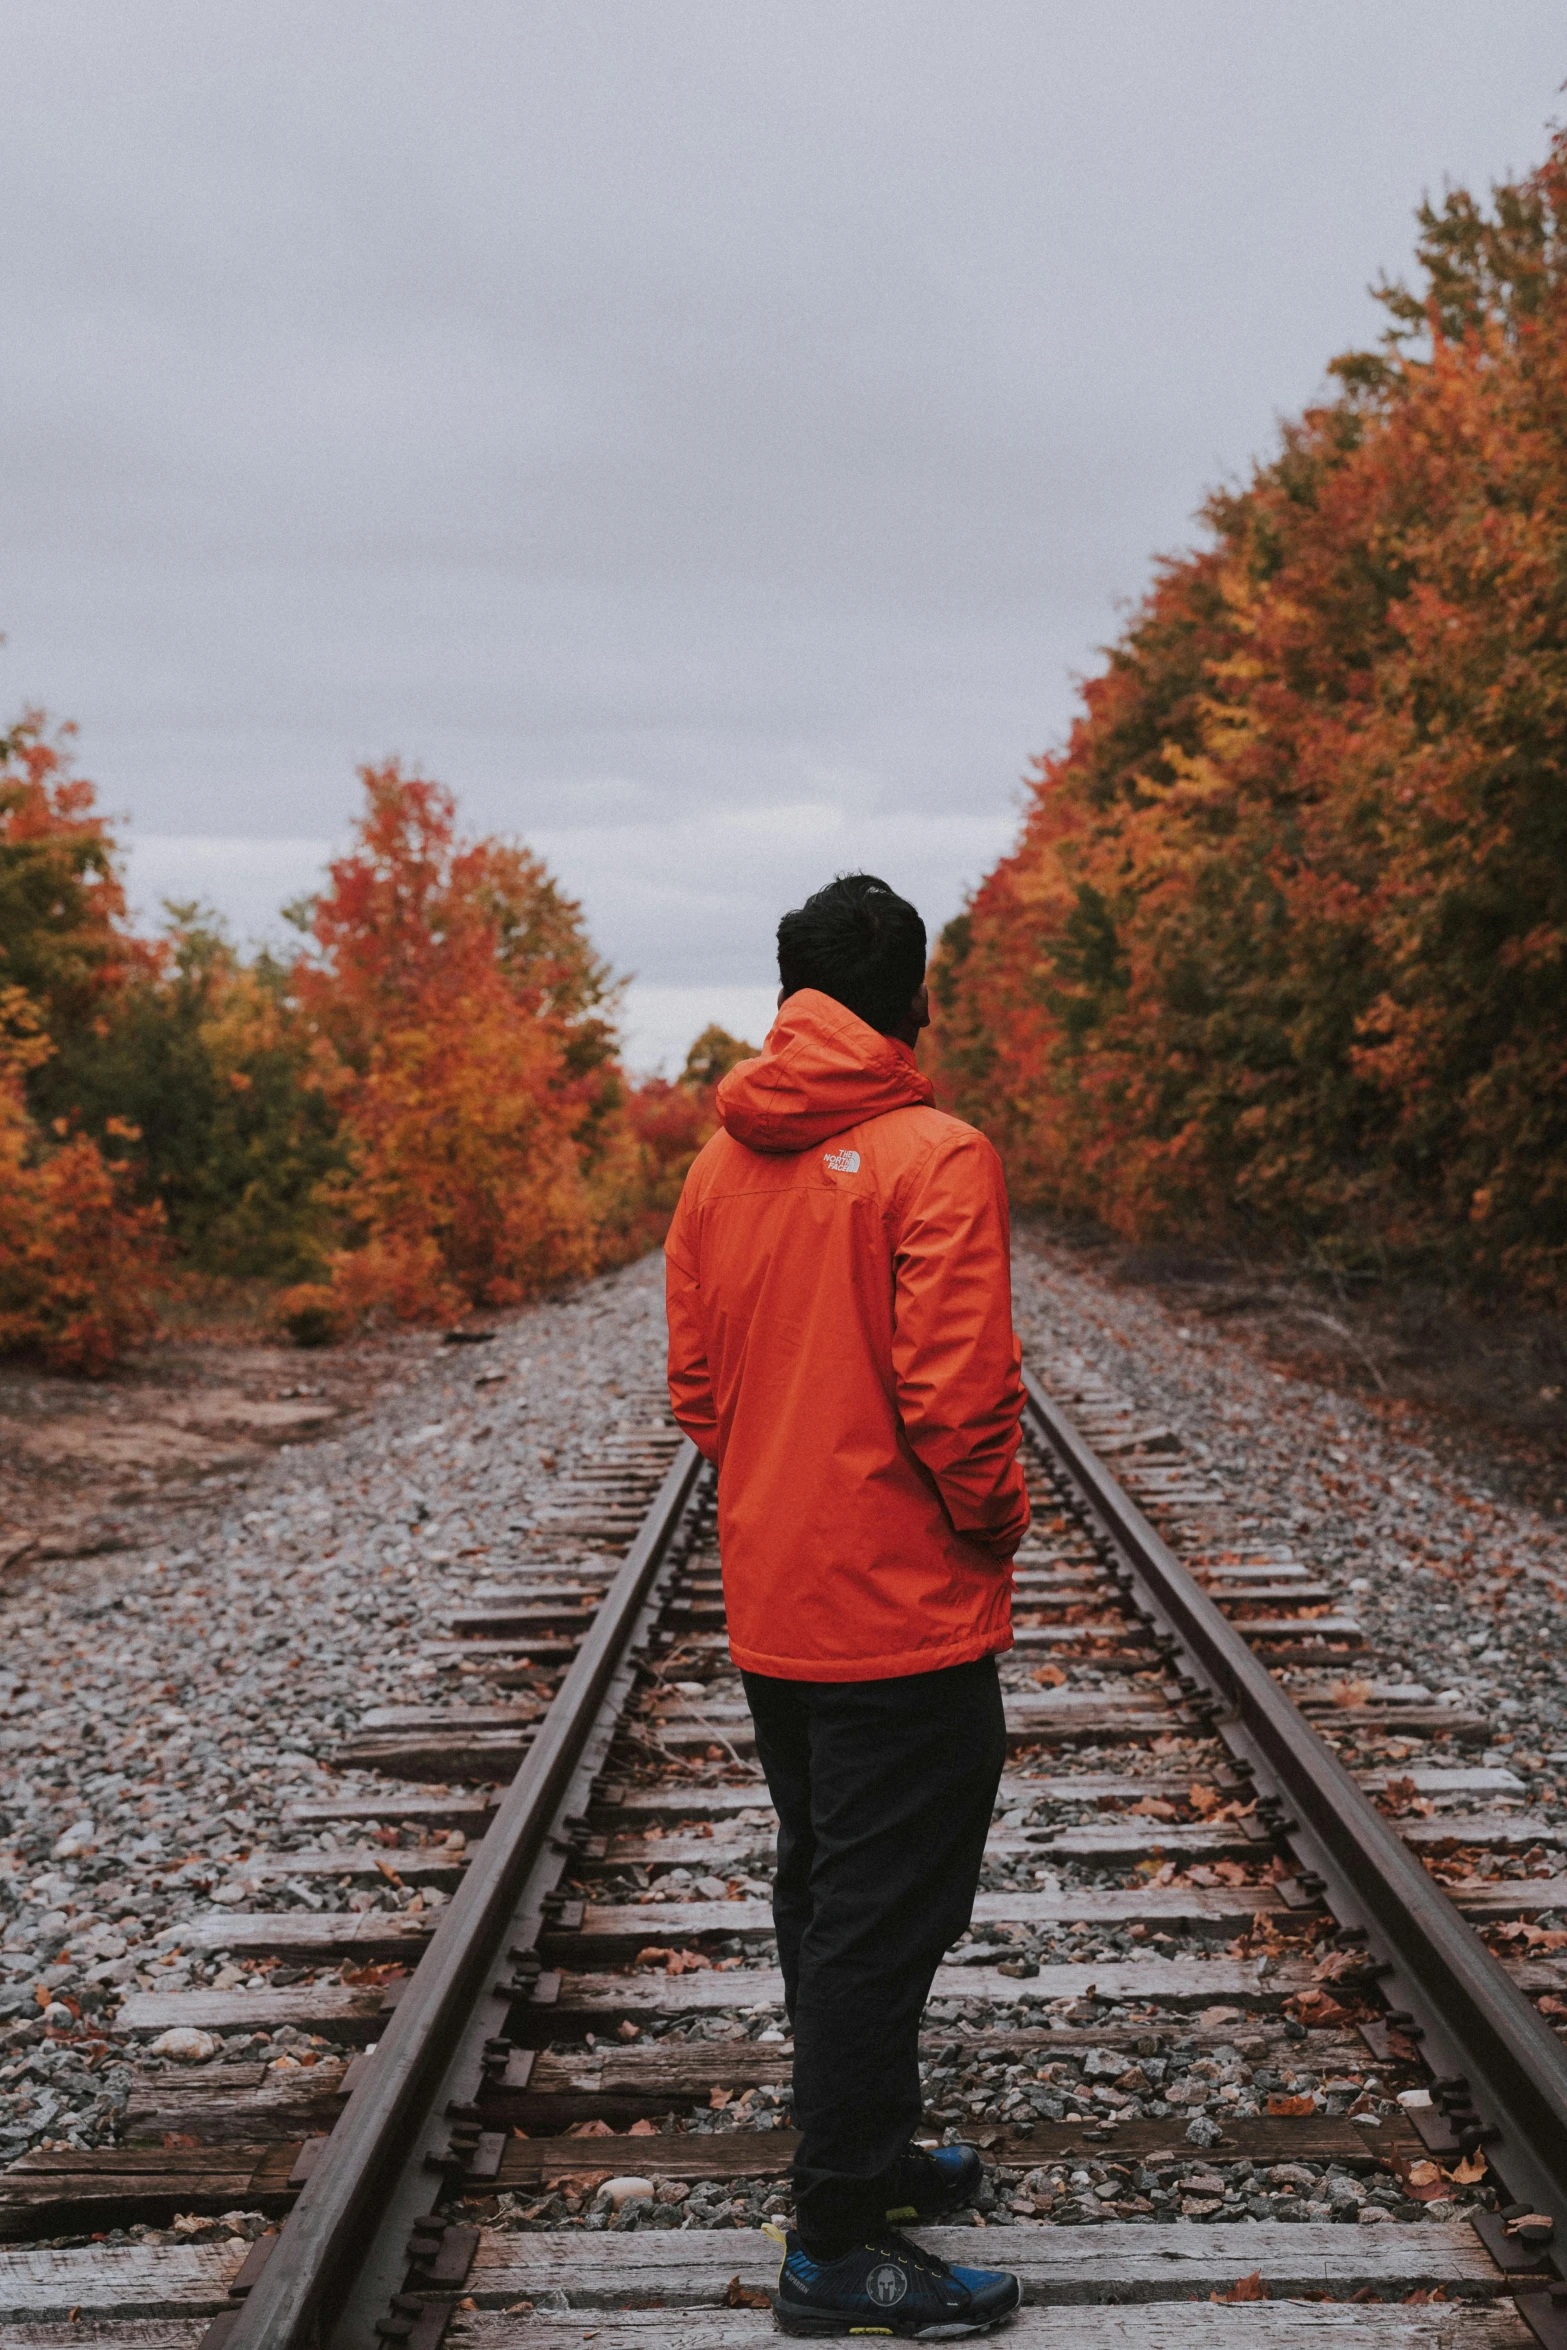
x=1214 y=2007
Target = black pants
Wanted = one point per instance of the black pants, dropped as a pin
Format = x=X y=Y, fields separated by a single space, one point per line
x=884 y=1792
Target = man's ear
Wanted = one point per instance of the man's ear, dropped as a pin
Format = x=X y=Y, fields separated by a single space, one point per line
x=919 y=1009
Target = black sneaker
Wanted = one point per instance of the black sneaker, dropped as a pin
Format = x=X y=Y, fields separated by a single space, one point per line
x=890 y=2286
x=931 y=2181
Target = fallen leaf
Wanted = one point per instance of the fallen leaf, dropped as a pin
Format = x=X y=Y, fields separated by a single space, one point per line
x=738 y=2296
x=673 y=1962
x=1249 y=2288
x=718 y=2099
x=1202 y=1799
x=1049 y=1676
x=1315 y=2007
x=1470 y=2171
x=1349 y=1692
x=1154 y=1807
x=643 y=2129
x=589 y=2130
x=1280 y=2103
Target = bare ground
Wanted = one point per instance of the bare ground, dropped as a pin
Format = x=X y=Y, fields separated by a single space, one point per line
x=90 y=1466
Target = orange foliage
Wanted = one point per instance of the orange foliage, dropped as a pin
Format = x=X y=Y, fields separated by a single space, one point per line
x=76 y=1257
x=62 y=910
x=670 y=1123
x=471 y=1060
x=425 y=1108
x=1285 y=935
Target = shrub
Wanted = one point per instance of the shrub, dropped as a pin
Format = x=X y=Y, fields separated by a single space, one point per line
x=311 y=1313
x=212 y=1061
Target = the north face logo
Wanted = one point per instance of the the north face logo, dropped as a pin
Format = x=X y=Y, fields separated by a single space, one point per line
x=885 y=2287
x=842 y=1162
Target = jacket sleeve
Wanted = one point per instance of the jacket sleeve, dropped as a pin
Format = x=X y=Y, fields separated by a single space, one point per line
x=955 y=1360
x=690 y=1381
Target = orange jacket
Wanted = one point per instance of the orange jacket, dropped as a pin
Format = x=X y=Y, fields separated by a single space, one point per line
x=840 y=1343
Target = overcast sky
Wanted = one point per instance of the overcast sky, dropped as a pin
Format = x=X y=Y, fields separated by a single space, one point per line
x=711 y=438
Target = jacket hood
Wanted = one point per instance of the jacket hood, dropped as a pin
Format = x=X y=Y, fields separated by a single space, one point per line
x=820 y=1071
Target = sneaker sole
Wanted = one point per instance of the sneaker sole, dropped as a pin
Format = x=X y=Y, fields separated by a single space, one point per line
x=804 y=2324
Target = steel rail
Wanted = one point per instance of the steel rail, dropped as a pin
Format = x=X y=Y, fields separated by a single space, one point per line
x=329 y=2232
x=1475 y=2025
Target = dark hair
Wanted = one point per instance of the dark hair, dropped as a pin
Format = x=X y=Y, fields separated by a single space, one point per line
x=859 y=942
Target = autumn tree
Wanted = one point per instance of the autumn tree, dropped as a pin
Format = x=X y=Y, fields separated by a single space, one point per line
x=64 y=938
x=471 y=1029
x=669 y=1122
x=211 y=1059
x=1285 y=935
x=77 y=1254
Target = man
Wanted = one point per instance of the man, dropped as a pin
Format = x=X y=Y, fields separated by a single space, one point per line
x=840 y=1344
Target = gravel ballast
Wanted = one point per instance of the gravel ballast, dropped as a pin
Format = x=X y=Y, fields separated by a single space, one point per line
x=161 y=1708
x=1458 y=1588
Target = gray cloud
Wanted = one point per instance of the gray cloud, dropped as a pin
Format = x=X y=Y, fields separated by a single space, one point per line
x=710 y=437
